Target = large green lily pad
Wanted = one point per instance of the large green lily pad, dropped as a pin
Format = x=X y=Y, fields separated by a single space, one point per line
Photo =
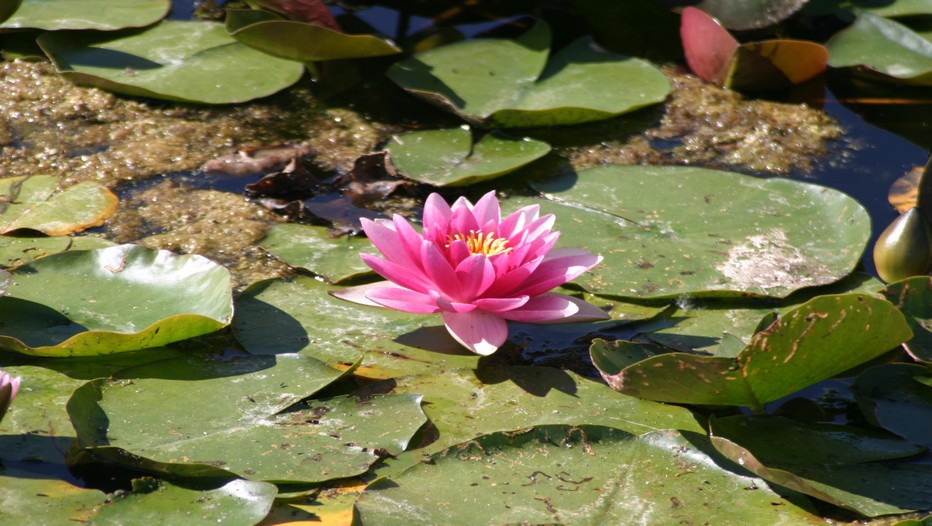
x=820 y=339
x=302 y=41
x=913 y=296
x=466 y=403
x=102 y=15
x=883 y=46
x=577 y=475
x=192 y=61
x=668 y=231
x=849 y=467
x=449 y=157
x=180 y=415
x=313 y=248
x=238 y=502
x=511 y=82
x=117 y=299
x=35 y=203
x=44 y=500
x=750 y=14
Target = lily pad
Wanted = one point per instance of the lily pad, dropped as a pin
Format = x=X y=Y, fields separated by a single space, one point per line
x=16 y=250
x=838 y=464
x=35 y=203
x=449 y=157
x=302 y=41
x=313 y=248
x=806 y=345
x=913 y=297
x=898 y=397
x=176 y=416
x=101 y=15
x=511 y=83
x=117 y=299
x=238 y=502
x=465 y=404
x=192 y=61
x=579 y=475
x=8 y=8
x=61 y=502
x=883 y=46
x=665 y=231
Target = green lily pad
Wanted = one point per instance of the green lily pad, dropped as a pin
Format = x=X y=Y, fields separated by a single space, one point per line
x=898 y=397
x=883 y=46
x=576 y=475
x=449 y=157
x=804 y=346
x=102 y=15
x=314 y=249
x=510 y=83
x=299 y=315
x=842 y=465
x=60 y=502
x=117 y=299
x=666 y=231
x=192 y=61
x=15 y=250
x=181 y=415
x=238 y=502
x=34 y=203
x=886 y=8
x=301 y=41
x=8 y=8
x=913 y=296
x=465 y=404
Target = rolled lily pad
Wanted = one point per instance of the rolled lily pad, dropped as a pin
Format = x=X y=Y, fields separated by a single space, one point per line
x=665 y=231
x=892 y=50
x=35 y=203
x=302 y=41
x=898 y=397
x=715 y=56
x=238 y=502
x=314 y=249
x=806 y=345
x=117 y=299
x=176 y=416
x=576 y=475
x=192 y=61
x=913 y=297
x=511 y=83
x=102 y=15
x=449 y=157
x=841 y=465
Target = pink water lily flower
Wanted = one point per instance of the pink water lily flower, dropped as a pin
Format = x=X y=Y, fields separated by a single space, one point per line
x=9 y=386
x=476 y=269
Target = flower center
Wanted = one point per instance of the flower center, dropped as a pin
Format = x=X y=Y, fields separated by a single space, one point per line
x=482 y=243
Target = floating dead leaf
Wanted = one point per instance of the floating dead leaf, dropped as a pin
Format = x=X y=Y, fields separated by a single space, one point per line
x=257 y=160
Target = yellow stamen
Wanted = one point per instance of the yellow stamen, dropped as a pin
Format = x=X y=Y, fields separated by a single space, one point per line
x=482 y=243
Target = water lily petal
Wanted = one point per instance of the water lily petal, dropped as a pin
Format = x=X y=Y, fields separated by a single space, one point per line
x=510 y=281
x=437 y=215
x=409 y=238
x=408 y=277
x=475 y=274
x=387 y=241
x=439 y=271
x=462 y=221
x=555 y=272
x=457 y=252
x=360 y=294
x=403 y=299
x=501 y=304
x=451 y=306
x=480 y=332
x=515 y=222
x=555 y=308
x=487 y=212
